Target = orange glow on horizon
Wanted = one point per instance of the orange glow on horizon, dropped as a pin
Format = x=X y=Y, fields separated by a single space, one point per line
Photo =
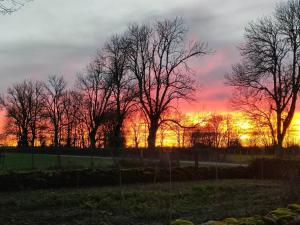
x=242 y=126
x=174 y=136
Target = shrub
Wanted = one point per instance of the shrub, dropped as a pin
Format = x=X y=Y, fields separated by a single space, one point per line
x=87 y=177
x=275 y=168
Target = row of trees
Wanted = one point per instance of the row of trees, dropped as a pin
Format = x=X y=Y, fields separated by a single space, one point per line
x=144 y=69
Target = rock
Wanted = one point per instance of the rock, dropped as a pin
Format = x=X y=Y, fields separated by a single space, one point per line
x=210 y=222
x=294 y=207
x=181 y=222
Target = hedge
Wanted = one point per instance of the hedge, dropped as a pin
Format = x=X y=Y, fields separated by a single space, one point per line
x=87 y=177
x=260 y=168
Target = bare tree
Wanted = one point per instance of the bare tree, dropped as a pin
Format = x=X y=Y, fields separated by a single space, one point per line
x=72 y=102
x=54 y=107
x=230 y=134
x=269 y=76
x=215 y=125
x=159 y=60
x=10 y=6
x=177 y=129
x=23 y=105
x=37 y=109
x=96 y=88
x=123 y=84
x=136 y=128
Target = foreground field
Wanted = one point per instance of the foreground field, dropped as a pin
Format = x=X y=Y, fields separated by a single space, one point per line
x=146 y=204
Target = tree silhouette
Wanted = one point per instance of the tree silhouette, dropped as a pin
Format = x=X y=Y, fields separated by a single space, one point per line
x=54 y=108
x=23 y=104
x=96 y=88
x=72 y=116
x=123 y=85
x=267 y=81
x=159 y=60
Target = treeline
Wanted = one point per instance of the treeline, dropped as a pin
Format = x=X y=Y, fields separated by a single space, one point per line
x=145 y=69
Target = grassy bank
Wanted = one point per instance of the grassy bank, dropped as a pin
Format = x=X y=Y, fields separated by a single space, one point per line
x=146 y=204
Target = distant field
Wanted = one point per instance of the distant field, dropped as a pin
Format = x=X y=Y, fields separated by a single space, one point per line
x=25 y=161
x=146 y=204
x=244 y=158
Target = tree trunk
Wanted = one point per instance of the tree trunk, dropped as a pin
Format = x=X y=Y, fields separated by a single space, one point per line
x=55 y=136
x=279 y=135
x=117 y=136
x=280 y=140
x=69 y=139
x=24 y=139
x=33 y=137
x=92 y=137
x=152 y=134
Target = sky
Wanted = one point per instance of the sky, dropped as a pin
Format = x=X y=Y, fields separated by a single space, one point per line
x=61 y=36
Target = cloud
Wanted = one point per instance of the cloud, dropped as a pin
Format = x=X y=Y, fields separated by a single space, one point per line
x=46 y=37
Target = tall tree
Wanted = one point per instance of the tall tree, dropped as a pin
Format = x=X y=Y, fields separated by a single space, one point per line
x=123 y=85
x=54 y=107
x=71 y=116
x=37 y=109
x=268 y=79
x=159 y=59
x=96 y=88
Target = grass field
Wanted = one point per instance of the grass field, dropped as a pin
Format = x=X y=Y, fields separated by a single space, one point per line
x=25 y=161
x=145 y=204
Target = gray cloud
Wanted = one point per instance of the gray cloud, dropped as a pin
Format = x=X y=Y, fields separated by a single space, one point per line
x=47 y=37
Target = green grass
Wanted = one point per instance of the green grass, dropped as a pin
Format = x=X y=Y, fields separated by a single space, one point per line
x=25 y=161
x=155 y=204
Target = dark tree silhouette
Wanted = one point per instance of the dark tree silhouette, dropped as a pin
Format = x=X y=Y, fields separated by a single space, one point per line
x=215 y=125
x=123 y=85
x=54 y=108
x=72 y=116
x=37 y=109
x=268 y=79
x=23 y=105
x=159 y=59
x=96 y=88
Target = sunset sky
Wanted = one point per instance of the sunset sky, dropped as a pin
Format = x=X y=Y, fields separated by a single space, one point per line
x=60 y=37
